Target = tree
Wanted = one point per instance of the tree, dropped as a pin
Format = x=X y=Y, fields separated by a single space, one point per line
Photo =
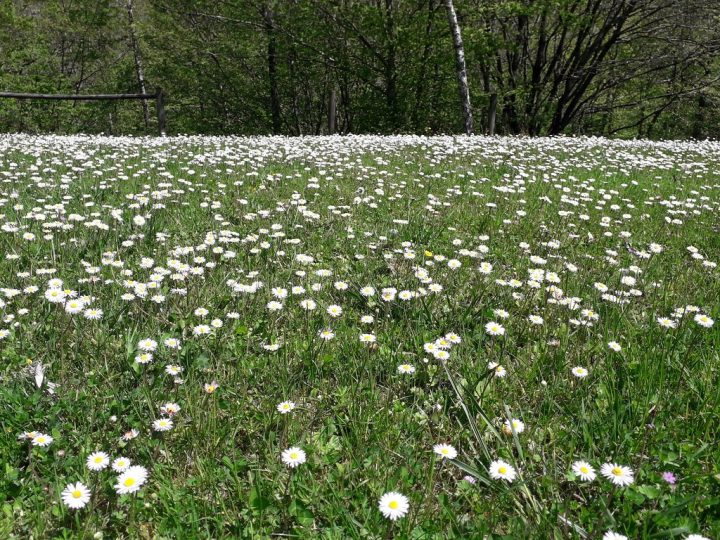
x=557 y=60
x=137 y=57
x=615 y=67
x=462 y=78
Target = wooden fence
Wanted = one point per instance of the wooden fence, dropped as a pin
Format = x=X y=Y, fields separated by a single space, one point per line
x=158 y=96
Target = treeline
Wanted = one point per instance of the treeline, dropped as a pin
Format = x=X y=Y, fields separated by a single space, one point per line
x=648 y=68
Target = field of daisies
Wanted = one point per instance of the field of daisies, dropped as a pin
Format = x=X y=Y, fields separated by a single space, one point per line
x=359 y=337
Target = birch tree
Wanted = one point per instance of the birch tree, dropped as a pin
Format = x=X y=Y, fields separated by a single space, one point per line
x=460 y=67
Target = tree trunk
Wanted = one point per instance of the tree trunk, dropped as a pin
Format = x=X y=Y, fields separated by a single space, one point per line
x=419 y=122
x=138 y=58
x=347 y=126
x=460 y=67
x=391 y=80
x=272 y=69
x=698 y=125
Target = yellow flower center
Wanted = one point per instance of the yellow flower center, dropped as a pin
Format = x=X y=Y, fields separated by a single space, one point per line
x=129 y=482
x=293 y=455
x=502 y=470
x=393 y=504
x=98 y=459
x=617 y=471
x=583 y=469
x=77 y=494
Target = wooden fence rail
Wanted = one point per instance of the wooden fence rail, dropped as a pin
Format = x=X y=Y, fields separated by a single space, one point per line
x=158 y=96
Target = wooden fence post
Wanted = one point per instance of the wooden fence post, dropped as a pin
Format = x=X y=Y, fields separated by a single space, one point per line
x=332 y=112
x=491 y=114
x=160 y=106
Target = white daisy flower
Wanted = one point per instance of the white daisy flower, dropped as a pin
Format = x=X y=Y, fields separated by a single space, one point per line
x=501 y=470
x=620 y=475
x=131 y=480
x=75 y=495
x=446 y=451
x=97 y=461
x=393 y=505
x=294 y=456
x=584 y=470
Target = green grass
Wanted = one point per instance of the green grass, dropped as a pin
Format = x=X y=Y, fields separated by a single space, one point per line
x=366 y=428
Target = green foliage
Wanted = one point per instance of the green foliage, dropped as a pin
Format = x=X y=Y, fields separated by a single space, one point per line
x=265 y=66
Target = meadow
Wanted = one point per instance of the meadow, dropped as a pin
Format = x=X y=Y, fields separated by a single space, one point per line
x=359 y=337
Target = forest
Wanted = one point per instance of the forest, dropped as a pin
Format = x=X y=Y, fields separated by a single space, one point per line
x=617 y=68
